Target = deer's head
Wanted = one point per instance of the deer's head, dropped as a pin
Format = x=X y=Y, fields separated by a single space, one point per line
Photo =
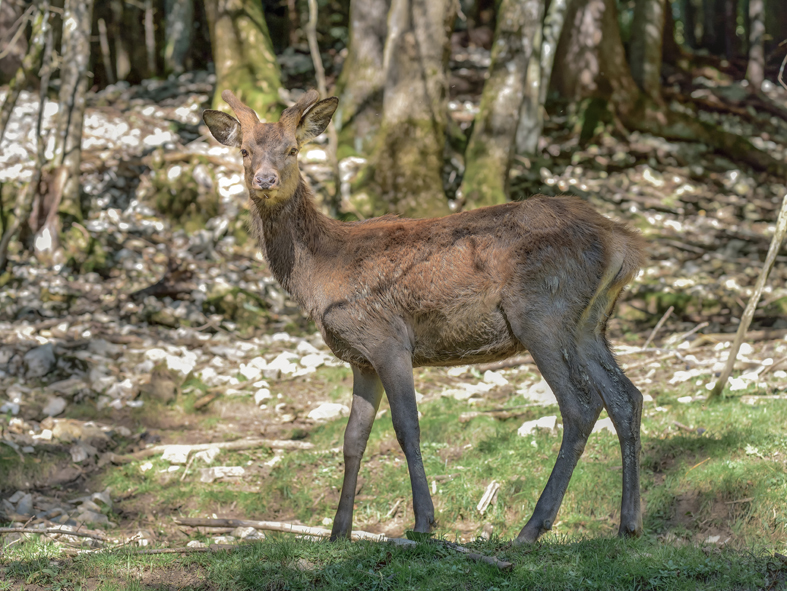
x=270 y=150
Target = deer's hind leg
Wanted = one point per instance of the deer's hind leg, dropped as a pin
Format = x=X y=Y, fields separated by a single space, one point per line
x=580 y=406
x=367 y=393
x=623 y=402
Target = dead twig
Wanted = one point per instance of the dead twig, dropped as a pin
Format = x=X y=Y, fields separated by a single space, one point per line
x=489 y=496
x=658 y=326
x=773 y=366
x=501 y=564
x=748 y=314
x=317 y=532
x=505 y=363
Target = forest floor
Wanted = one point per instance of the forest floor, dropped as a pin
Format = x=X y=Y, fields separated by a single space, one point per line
x=170 y=331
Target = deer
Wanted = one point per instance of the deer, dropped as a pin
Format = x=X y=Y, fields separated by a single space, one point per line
x=390 y=294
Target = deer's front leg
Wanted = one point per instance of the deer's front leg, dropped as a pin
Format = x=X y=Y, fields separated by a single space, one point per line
x=396 y=373
x=367 y=393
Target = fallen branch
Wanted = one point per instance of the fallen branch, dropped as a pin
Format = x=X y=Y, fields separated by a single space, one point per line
x=30 y=530
x=228 y=445
x=320 y=532
x=748 y=314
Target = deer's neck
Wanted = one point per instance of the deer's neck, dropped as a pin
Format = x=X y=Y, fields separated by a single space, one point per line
x=294 y=237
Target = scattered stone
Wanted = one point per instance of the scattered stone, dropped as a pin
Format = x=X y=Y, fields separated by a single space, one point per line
x=24 y=506
x=495 y=378
x=54 y=407
x=604 y=425
x=548 y=423
x=176 y=454
x=224 y=539
x=196 y=544
x=247 y=533
x=39 y=361
x=539 y=393
x=328 y=411
x=261 y=395
x=208 y=475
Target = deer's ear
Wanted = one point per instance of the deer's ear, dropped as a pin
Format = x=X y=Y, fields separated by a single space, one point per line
x=225 y=128
x=316 y=119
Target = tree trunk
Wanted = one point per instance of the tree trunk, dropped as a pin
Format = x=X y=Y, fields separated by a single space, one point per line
x=670 y=50
x=362 y=80
x=75 y=50
x=491 y=147
x=688 y=14
x=755 y=72
x=404 y=174
x=647 y=30
x=713 y=31
x=243 y=55
x=539 y=73
x=29 y=67
x=122 y=59
x=9 y=16
x=179 y=29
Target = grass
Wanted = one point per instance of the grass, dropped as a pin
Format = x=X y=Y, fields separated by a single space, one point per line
x=724 y=475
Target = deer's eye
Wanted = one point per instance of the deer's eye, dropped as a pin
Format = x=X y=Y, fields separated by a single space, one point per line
x=244 y=153
x=293 y=151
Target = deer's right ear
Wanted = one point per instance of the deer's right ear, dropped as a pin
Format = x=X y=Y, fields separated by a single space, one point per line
x=225 y=128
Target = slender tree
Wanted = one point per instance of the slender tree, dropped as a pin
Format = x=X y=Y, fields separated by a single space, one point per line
x=755 y=71
x=647 y=29
x=539 y=73
x=362 y=79
x=404 y=174
x=243 y=55
x=179 y=29
x=491 y=147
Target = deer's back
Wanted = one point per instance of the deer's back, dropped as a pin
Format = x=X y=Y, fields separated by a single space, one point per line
x=446 y=284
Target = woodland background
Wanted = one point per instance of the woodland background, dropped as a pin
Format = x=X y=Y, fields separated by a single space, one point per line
x=135 y=309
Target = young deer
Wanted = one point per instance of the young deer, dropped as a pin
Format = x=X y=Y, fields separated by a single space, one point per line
x=389 y=294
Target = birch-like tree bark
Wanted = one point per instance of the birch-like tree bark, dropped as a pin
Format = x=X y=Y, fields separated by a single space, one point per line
x=539 y=73
x=405 y=170
x=362 y=79
x=179 y=29
x=647 y=31
x=755 y=71
x=491 y=147
x=243 y=55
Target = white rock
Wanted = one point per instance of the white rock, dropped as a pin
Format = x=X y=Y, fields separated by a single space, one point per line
x=176 y=454
x=247 y=533
x=328 y=411
x=196 y=544
x=549 y=423
x=647 y=398
x=746 y=349
x=156 y=355
x=146 y=466
x=685 y=399
x=183 y=365
x=779 y=373
x=283 y=363
x=737 y=384
x=306 y=348
x=39 y=361
x=253 y=369
x=208 y=455
x=314 y=360
x=54 y=407
x=604 y=425
x=495 y=378
x=539 y=393
x=261 y=396
x=11 y=407
x=124 y=389
x=208 y=475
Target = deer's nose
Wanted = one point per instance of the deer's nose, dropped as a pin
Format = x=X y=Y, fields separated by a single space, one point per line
x=266 y=181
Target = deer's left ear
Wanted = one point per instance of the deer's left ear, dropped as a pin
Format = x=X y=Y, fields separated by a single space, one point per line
x=315 y=120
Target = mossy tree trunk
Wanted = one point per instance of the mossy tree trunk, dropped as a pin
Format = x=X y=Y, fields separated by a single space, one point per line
x=404 y=174
x=362 y=79
x=590 y=62
x=179 y=29
x=243 y=55
x=647 y=31
x=75 y=50
x=31 y=62
x=539 y=73
x=755 y=71
x=491 y=147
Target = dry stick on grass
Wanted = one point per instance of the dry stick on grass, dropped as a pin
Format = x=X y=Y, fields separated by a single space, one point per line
x=773 y=366
x=748 y=315
x=505 y=363
x=30 y=530
x=320 y=532
x=231 y=445
x=658 y=326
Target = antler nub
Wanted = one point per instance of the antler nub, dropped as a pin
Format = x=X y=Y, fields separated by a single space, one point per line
x=292 y=115
x=247 y=117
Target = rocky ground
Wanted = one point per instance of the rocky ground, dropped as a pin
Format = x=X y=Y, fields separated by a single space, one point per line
x=168 y=328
